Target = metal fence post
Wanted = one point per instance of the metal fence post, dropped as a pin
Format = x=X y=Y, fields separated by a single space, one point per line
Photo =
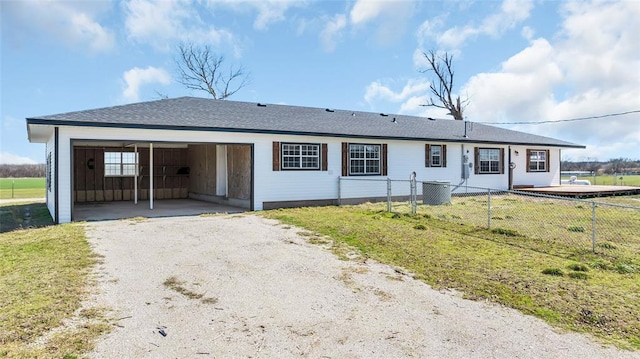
x=489 y=208
x=339 y=191
x=388 y=194
x=13 y=185
x=413 y=192
x=593 y=226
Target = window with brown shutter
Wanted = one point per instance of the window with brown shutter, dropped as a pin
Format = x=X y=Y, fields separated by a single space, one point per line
x=537 y=160
x=384 y=159
x=489 y=160
x=435 y=155
x=361 y=159
x=276 y=156
x=325 y=160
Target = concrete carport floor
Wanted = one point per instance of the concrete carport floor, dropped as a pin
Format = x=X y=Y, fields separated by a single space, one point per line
x=99 y=211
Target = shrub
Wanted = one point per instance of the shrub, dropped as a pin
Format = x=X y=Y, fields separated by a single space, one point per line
x=626 y=268
x=575 y=229
x=579 y=275
x=579 y=267
x=420 y=227
x=506 y=232
x=553 y=271
x=607 y=245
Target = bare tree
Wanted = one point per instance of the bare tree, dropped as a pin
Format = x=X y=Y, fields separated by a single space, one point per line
x=442 y=88
x=201 y=69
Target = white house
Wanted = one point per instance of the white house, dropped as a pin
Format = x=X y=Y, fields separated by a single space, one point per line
x=261 y=156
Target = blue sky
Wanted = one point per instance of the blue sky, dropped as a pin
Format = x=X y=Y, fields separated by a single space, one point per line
x=516 y=61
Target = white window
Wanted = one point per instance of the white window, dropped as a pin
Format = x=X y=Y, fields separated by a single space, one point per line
x=436 y=155
x=120 y=164
x=300 y=156
x=489 y=160
x=364 y=159
x=538 y=160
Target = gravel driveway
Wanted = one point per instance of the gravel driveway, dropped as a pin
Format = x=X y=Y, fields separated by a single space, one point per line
x=241 y=286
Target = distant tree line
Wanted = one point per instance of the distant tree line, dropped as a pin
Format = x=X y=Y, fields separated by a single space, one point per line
x=19 y=171
x=615 y=165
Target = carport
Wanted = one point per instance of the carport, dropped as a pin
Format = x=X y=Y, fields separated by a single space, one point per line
x=98 y=211
x=117 y=179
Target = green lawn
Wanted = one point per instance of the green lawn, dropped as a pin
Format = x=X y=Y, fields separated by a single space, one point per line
x=609 y=180
x=571 y=289
x=22 y=188
x=43 y=276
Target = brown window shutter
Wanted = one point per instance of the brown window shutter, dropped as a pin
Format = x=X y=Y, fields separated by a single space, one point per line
x=345 y=158
x=548 y=161
x=325 y=161
x=444 y=156
x=384 y=159
x=476 y=155
x=427 y=155
x=501 y=160
x=528 y=160
x=276 y=156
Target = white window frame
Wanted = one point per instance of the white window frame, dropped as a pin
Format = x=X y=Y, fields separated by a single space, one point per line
x=121 y=164
x=432 y=156
x=370 y=156
x=491 y=156
x=299 y=156
x=539 y=159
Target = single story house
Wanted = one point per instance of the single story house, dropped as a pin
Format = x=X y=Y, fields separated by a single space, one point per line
x=262 y=156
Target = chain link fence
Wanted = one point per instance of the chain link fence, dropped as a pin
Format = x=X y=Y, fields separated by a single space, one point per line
x=551 y=224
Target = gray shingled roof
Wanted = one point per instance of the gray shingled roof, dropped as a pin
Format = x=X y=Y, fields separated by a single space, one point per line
x=190 y=113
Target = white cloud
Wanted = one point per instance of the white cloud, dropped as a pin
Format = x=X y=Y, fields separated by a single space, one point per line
x=367 y=10
x=332 y=32
x=272 y=11
x=511 y=13
x=386 y=19
x=268 y=11
x=137 y=77
x=72 y=23
x=378 y=91
x=584 y=71
x=412 y=98
x=161 y=22
x=7 y=158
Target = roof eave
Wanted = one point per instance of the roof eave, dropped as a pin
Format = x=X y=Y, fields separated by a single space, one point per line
x=50 y=122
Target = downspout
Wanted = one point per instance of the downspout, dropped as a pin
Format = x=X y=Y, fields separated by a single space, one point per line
x=150 y=175
x=56 y=191
x=510 y=169
x=135 y=176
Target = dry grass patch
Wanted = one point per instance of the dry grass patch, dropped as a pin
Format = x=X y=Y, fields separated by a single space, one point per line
x=490 y=266
x=179 y=286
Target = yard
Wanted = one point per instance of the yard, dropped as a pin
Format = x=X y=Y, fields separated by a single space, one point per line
x=13 y=188
x=43 y=271
x=523 y=268
x=610 y=180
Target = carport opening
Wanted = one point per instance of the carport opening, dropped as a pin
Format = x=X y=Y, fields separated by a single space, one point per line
x=110 y=172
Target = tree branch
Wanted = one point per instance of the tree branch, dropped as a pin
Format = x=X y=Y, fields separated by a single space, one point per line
x=200 y=69
x=442 y=67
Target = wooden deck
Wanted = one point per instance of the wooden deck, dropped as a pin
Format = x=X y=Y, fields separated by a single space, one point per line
x=579 y=191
